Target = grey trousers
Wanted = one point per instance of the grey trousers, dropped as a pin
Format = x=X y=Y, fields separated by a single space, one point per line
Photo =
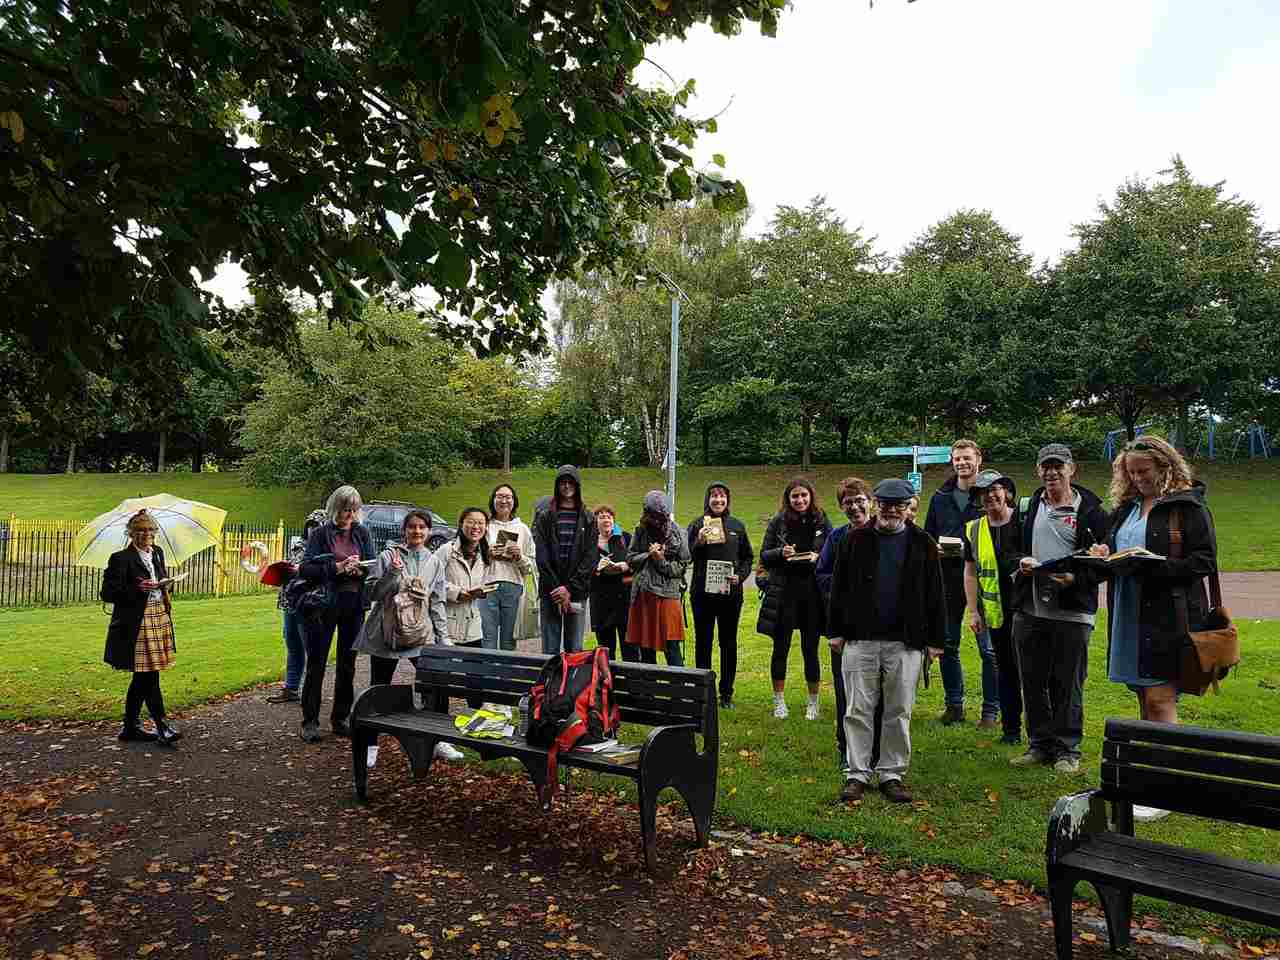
x=872 y=669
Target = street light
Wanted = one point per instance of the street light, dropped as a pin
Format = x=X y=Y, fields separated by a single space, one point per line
x=676 y=296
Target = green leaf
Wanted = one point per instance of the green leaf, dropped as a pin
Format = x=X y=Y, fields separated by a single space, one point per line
x=680 y=185
x=718 y=159
x=453 y=266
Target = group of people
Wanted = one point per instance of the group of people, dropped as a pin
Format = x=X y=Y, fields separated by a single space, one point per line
x=888 y=595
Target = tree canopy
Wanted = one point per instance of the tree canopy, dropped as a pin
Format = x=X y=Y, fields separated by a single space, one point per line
x=340 y=148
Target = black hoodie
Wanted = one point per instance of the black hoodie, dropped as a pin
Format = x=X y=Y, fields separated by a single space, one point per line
x=736 y=547
x=583 y=555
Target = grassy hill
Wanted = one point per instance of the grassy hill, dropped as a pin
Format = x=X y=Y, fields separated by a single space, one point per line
x=1245 y=496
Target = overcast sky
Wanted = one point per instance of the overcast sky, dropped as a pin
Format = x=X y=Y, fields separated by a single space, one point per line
x=1034 y=109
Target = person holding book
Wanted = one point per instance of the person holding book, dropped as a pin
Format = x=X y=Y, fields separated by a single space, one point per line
x=407 y=566
x=992 y=551
x=295 y=643
x=659 y=556
x=1055 y=611
x=611 y=586
x=886 y=615
x=140 y=638
x=564 y=537
x=468 y=568
x=950 y=508
x=1157 y=501
x=718 y=542
x=511 y=550
x=854 y=496
x=337 y=554
x=790 y=550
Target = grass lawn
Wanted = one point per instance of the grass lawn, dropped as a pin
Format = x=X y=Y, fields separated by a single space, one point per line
x=1241 y=495
x=974 y=811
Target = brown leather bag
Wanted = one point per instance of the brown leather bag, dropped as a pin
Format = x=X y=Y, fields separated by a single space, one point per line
x=1213 y=647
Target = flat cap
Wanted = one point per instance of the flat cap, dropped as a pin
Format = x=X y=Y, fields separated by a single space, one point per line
x=894 y=489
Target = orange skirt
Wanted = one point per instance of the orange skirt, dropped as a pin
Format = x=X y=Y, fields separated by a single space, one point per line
x=653 y=621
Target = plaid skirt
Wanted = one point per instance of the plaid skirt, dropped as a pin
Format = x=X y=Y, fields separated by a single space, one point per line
x=154 y=649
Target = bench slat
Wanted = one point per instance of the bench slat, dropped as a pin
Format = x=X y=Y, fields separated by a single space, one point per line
x=1200 y=738
x=1213 y=868
x=1216 y=764
x=1216 y=887
x=1258 y=806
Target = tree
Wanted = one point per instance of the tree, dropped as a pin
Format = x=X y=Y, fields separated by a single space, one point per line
x=617 y=333
x=787 y=331
x=370 y=417
x=342 y=148
x=501 y=395
x=1168 y=298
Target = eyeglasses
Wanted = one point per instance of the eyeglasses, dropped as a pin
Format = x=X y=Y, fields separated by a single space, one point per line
x=855 y=502
x=1139 y=445
x=887 y=506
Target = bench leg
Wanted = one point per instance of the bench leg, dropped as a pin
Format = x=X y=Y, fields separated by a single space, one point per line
x=537 y=770
x=1060 y=893
x=360 y=744
x=699 y=796
x=1117 y=904
x=649 y=828
x=420 y=751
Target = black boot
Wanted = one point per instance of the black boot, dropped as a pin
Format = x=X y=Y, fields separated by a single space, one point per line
x=132 y=729
x=165 y=733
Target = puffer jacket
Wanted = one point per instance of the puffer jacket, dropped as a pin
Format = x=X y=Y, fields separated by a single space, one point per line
x=791 y=582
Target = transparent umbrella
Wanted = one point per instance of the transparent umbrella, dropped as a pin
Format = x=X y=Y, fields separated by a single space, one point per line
x=186 y=528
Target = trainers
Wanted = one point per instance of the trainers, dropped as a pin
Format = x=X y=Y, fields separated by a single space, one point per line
x=780 y=710
x=1147 y=814
x=811 y=710
x=853 y=790
x=448 y=753
x=284 y=696
x=1031 y=758
x=726 y=703
x=311 y=732
x=953 y=714
x=1067 y=765
x=895 y=792
x=987 y=723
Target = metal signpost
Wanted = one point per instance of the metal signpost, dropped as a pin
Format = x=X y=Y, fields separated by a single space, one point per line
x=919 y=455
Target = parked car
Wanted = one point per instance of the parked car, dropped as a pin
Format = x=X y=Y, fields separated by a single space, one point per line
x=384 y=519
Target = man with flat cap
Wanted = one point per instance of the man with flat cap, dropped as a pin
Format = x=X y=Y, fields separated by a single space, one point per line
x=886 y=613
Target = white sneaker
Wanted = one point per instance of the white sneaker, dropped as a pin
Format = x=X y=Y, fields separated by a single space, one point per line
x=448 y=753
x=1147 y=814
x=780 y=710
x=811 y=710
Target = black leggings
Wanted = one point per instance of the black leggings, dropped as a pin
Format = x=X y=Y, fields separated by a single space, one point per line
x=708 y=610
x=799 y=615
x=615 y=636
x=144 y=688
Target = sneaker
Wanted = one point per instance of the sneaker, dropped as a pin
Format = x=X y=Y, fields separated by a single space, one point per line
x=448 y=753
x=953 y=714
x=1067 y=765
x=1031 y=758
x=726 y=703
x=284 y=696
x=811 y=710
x=1147 y=814
x=988 y=723
x=311 y=732
x=895 y=792
x=780 y=710
x=853 y=790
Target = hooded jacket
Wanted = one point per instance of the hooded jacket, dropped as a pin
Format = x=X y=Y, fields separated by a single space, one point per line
x=583 y=555
x=736 y=547
x=1091 y=528
x=1167 y=586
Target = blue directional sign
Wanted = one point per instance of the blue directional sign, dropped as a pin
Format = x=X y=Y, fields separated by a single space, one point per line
x=917 y=481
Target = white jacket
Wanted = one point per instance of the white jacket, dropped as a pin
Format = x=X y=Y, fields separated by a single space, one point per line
x=463 y=615
x=513 y=571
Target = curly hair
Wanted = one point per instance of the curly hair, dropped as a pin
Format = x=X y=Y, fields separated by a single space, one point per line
x=852 y=485
x=1172 y=470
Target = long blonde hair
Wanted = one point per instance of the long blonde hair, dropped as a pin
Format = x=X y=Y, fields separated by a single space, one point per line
x=1172 y=470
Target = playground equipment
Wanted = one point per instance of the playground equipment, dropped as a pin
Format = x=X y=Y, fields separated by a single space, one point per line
x=1109 y=445
x=1256 y=437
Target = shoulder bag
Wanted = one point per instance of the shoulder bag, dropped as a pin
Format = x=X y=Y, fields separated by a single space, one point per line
x=1211 y=648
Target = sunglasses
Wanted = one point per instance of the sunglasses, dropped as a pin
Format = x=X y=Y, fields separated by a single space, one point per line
x=1139 y=445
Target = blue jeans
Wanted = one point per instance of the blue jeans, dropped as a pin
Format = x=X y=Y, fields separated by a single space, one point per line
x=295 y=646
x=571 y=627
x=498 y=615
x=953 y=675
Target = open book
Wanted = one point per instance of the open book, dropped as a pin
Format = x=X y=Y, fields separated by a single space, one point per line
x=809 y=556
x=168 y=582
x=1132 y=553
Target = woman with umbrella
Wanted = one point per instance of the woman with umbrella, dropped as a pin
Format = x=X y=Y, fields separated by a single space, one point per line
x=140 y=637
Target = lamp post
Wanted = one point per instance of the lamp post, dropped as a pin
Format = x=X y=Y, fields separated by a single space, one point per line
x=676 y=296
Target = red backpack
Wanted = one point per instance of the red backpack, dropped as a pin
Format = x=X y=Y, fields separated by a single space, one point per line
x=571 y=703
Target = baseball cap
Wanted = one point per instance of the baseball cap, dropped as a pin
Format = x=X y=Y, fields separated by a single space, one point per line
x=1054 y=451
x=988 y=477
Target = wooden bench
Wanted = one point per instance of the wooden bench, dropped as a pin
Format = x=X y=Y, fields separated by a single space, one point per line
x=677 y=702
x=1216 y=774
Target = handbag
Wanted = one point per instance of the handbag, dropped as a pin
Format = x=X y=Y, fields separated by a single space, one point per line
x=1212 y=648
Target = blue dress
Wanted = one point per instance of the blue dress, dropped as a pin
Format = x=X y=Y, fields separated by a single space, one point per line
x=1123 y=667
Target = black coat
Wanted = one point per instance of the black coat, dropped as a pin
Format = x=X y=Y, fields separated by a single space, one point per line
x=790 y=582
x=1091 y=528
x=920 y=597
x=736 y=549
x=1167 y=585
x=583 y=555
x=318 y=564
x=610 y=590
x=944 y=519
x=128 y=603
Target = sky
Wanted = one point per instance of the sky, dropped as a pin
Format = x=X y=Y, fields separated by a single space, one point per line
x=1036 y=110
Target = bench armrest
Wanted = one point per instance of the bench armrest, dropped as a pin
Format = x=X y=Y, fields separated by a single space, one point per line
x=383 y=698
x=671 y=750
x=1074 y=818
